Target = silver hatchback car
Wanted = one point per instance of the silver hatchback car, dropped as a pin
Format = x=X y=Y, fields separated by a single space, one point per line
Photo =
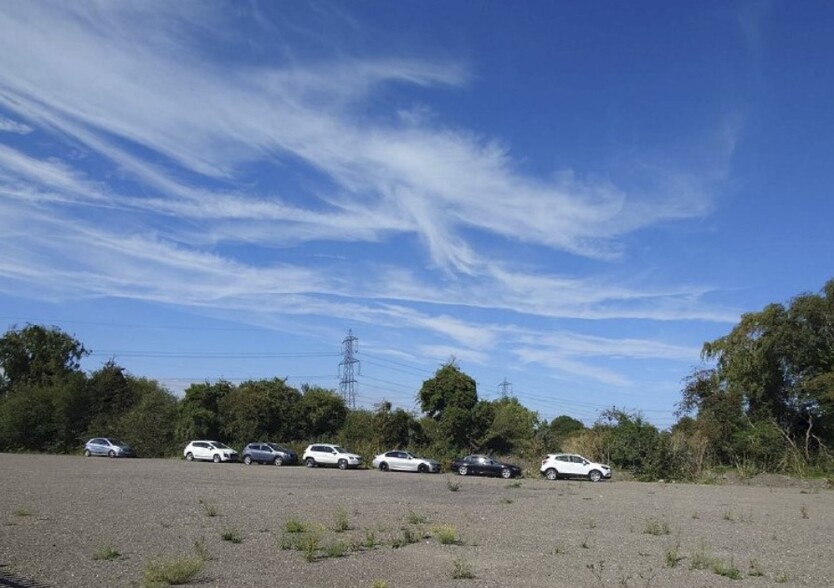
x=109 y=447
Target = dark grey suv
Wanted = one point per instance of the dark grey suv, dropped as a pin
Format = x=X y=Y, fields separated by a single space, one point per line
x=269 y=453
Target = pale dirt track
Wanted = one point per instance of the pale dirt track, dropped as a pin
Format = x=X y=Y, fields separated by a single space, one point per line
x=56 y=512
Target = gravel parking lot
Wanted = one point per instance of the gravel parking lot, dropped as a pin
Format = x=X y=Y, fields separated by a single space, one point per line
x=59 y=513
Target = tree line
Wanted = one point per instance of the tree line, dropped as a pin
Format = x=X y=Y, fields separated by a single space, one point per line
x=762 y=401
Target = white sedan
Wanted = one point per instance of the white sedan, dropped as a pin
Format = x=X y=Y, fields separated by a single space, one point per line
x=405 y=462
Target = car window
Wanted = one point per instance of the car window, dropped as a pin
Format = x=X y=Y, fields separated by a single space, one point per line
x=576 y=459
x=97 y=441
x=562 y=458
x=340 y=449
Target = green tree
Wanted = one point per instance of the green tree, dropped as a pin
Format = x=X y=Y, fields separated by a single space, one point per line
x=512 y=428
x=149 y=426
x=322 y=412
x=37 y=355
x=450 y=398
x=199 y=410
x=260 y=409
x=774 y=373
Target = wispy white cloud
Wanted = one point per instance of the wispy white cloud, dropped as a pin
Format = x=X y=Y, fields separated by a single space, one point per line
x=8 y=125
x=178 y=135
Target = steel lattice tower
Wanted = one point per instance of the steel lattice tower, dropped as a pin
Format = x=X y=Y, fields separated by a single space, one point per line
x=349 y=368
x=505 y=387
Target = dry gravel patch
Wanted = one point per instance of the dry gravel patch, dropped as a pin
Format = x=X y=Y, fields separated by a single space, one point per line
x=59 y=513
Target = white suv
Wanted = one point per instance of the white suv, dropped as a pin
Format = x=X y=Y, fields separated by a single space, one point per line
x=571 y=465
x=210 y=451
x=323 y=454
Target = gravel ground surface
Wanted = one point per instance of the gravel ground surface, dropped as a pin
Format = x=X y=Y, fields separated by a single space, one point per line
x=58 y=513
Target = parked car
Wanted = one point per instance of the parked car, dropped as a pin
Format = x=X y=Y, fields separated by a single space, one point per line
x=405 y=462
x=209 y=451
x=262 y=452
x=323 y=454
x=108 y=446
x=484 y=465
x=571 y=465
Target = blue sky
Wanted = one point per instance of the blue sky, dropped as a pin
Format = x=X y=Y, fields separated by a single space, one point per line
x=572 y=196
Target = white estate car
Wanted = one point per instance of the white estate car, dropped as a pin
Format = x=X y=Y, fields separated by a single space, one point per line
x=209 y=451
x=571 y=465
x=324 y=454
x=404 y=461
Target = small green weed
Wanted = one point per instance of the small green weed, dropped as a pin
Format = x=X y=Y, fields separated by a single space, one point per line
x=462 y=570
x=803 y=511
x=341 y=523
x=781 y=578
x=22 y=512
x=171 y=571
x=655 y=527
x=370 y=540
x=506 y=500
x=201 y=551
x=585 y=544
x=446 y=534
x=415 y=519
x=336 y=549
x=727 y=570
x=755 y=570
x=379 y=584
x=452 y=486
x=293 y=525
x=209 y=508
x=672 y=557
x=106 y=553
x=701 y=559
x=309 y=544
x=231 y=535
x=516 y=484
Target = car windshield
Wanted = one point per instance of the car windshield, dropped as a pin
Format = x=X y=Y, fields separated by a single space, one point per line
x=220 y=445
x=340 y=449
x=407 y=455
x=117 y=442
x=276 y=447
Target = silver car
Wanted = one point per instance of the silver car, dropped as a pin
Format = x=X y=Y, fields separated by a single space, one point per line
x=109 y=447
x=405 y=461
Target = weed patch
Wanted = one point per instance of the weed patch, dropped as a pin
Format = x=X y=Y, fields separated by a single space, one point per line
x=415 y=519
x=293 y=525
x=341 y=523
x=209 y=508
x=452 y=486
x=446 y=534
x=171 y=571
x=106 y=553
x=232 y=536
x=462 y=570
x=655 y=527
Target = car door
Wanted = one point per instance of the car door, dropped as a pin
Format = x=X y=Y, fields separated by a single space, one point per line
x=262 y=453
x=202 y=450
x=98 y=447
x=565 y=465
x=582 y=467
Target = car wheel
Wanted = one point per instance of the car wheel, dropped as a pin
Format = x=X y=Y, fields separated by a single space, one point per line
x=506 y=473
x=383 y=467
x=422 y=468
x=552 y=474
x=216 y=458
x=111 y=453
x=247 y=459
x=87 y=453
x=595 y=475
x=463 y=470
x=310 y=462
x=342 y=464
x=189 y=456
x=278 y=461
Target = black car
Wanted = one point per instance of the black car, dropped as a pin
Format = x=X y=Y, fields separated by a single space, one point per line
x=484 y=465
x=268 y=453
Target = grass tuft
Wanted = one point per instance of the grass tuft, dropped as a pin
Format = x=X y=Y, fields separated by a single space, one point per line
x=655 y=527
x=293 y=525
x=446 y=534
x=728 y=571
x=370 y=540
x=515 y=484
x=171 y=571
x=415 y=519
x=452 y=486
x=231 y=535
x=337 y=549
x=341 y=523
x=106 y=553
x=379 y=583
x=22 y=512
x=209 y=508
x=462 y=570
